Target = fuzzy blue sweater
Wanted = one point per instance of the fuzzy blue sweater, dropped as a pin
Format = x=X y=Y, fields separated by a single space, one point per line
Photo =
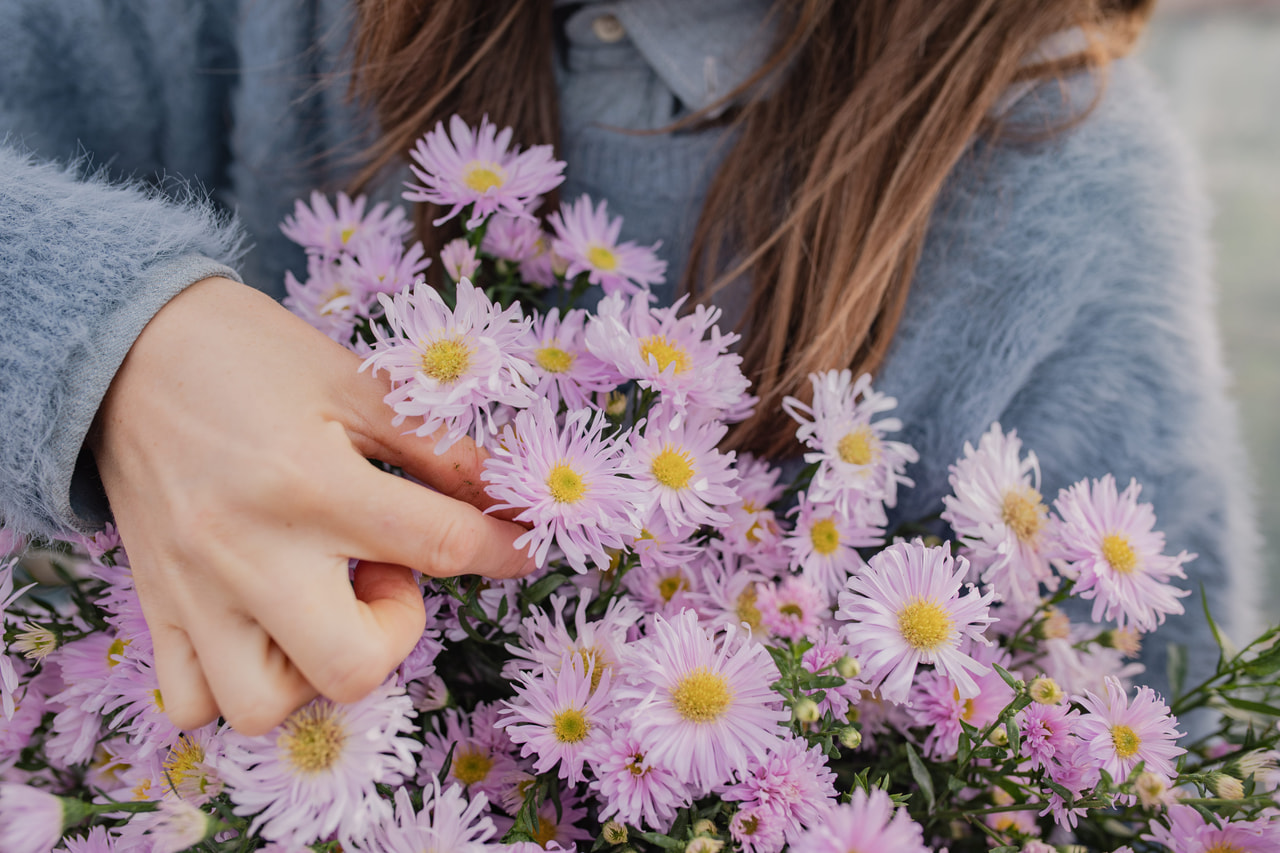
x=1064 y=288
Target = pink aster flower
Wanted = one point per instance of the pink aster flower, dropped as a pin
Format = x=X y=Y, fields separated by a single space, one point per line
x=566 y=371
x=868 y=822
x=587 y=238
x=728 y=594
x=1189 y=832
x=632 y=788
x=477 y=749
x=758 y=828
x=1046 y=730
x=679 y=471
x=699 y=705
x=558 y=717
x=323 y=231
x=753 y=527
x=569 y=483
x=446 y=822
x=663 y=587
x=317 y=773
x=459 y=259
x=30 y=819
x=514 y=238
x=998 y=515
x=823 y=544
x=381 y=264
x=662 y=545
x=854 y=457
x=450 y=366
x=1107 y=542
x=936 y=704
x=1119 y=735
x=683 y=357
x=544 y=642
x=821 y=659
x=792 y=782
x=8 y=672
x=96 y=841
x=793 y=609
x=176 y=826
x=907 y=609
x=478 y=168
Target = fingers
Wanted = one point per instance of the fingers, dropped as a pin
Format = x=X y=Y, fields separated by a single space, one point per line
x=252 y=680
x=184 y=693
x=345 y=640
x=391 y=520
x=456 y=472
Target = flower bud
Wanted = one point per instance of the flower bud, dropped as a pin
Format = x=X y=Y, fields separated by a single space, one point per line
x=999 y=736
x=850 y=738
x=616 y=405
x=1152 y=789
x=848 y=667
x=613 y=833
x=704 y=845
x=1056 y=626
x=704 y=827
x=806 y=710
x=1225 y=786
x=1046 y=691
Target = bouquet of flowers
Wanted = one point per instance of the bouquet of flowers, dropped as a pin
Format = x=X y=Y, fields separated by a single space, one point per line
x=716 y=653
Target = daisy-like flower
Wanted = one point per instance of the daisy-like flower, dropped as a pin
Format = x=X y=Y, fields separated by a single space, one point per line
x=998 y=514
x=683 y=357
x=557 y=717
x=793 y=609
x=633 y=789
x=544 y=643
x=317 y=773
x=1046 y=730
x=730 y=596
x=176 y=826
x=907 y=609
x=566 y=370
x=867 y=822
x=446 y=823
x=96 y=841
x=701 y=706
x=381 y=264
x=478 y=169
x=854 y=457
x=8 y=673
x=664 y=588
x=753 y=526
x=1189 y=832
x=936 y=704
x=587 y=238
x=1107 y=541
x=323 y=231
x=449 y=367
x=758 y=828
x=822 y=544
x=679 y=471
x=569 y=483
x=478 y=751
x=792 y=782
x=1119 y=735
x=459 y=259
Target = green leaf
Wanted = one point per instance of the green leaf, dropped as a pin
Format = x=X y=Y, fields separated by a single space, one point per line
x=542 y=589
x=1176 y=668
x=663 y=841
x=1213 y=626
x=1264 y=664
x=921 y=774
x=1255 y=707
x=1008 y=677
x=1015 y=736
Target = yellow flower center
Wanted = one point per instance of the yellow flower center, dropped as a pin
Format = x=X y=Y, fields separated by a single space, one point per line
x=664 y=353
x=746 y=610
x=924 y=624
x=446 y=360
x=545 y=832
x=570 y=726
x=825 y=537
x=594 y=661
x=670 y=585
x=1224 y=847
x=1125 y=740
x=672 y=468
x=856 y=448
x=142 y=791
x=967 y=713
x=791 y=610
x=1117 y=551
x=184 y=763
x=313 y=737
x=115 y=651
x=636 y=764
x=158 y=700
x=1023 y=513
x=553 y=359
x=602 y=258
x=483 y=177
x=471 y=765
x=702 y=696
x=565 y=484
x=347 y=233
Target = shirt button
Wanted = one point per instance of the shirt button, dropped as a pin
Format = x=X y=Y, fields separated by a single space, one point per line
x=608 y=29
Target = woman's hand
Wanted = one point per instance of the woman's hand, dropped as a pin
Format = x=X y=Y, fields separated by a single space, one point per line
x=233 y=444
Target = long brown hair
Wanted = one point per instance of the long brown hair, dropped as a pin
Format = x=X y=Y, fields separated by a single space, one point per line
x=824 y=199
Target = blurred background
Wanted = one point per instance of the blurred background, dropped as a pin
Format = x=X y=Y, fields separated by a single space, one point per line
x=1219 y=61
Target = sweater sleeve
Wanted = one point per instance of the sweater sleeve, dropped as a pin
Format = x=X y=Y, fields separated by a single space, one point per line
x=89 y=253
x=1065 y=291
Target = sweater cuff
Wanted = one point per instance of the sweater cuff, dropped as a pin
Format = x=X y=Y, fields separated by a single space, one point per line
x=82 y=501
